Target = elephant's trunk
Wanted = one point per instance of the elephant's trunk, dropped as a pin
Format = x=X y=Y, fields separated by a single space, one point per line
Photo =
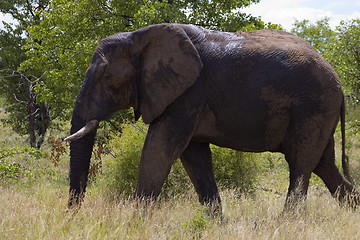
x=80 y=154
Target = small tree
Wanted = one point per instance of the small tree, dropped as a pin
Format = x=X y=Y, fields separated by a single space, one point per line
x=319 y=35
x=25 y=114
x=346 y=56
x=340 y=47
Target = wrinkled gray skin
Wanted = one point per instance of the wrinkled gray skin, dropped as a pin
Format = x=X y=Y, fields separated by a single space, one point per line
x=258 y=91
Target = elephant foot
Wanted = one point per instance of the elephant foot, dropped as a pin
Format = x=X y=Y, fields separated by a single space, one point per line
x=295 y=204
x=213 y=205
x=214 y=210
x=349 y=198
x=75 y=200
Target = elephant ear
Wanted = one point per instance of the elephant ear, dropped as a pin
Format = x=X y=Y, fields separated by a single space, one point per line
x=170 y=64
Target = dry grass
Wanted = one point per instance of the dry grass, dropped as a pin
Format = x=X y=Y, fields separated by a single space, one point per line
x=39 y=212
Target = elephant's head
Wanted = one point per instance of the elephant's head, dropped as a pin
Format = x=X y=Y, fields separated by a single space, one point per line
x=146 y=69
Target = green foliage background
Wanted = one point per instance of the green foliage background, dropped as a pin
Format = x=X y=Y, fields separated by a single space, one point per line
x=339 y=46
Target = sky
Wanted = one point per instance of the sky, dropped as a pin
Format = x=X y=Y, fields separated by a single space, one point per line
x=6 y=18
x=285 y=12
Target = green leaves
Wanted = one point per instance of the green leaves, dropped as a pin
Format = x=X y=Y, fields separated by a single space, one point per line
x=340 y=47
x=13 y=170
x=319 y=35
x=347 y=58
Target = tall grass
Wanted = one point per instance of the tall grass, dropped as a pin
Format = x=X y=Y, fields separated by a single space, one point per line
x=39 y=212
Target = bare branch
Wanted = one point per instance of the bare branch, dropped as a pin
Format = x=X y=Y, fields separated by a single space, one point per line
x=32 y=114
x=19 y=101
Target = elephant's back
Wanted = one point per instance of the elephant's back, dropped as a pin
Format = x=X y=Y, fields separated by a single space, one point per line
x=257 y=83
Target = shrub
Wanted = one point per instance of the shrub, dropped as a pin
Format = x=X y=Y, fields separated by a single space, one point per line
x=233 y=169
x=11 y=169
x=120 y=172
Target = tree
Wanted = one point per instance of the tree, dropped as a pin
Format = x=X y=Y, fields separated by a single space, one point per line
x=340 y=47
x=319 y=35
x=346 y=56
x=25 y=114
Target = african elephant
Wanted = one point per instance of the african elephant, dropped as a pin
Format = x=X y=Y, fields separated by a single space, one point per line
x=257 y=91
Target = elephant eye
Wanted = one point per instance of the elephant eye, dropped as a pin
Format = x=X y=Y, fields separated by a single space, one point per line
x=106 y=77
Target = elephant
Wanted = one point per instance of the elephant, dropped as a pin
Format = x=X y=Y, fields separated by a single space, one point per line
x=264 y=90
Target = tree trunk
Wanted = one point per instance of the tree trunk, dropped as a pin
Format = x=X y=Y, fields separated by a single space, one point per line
x=31 y=108
x=42 y=122
x=37 y=116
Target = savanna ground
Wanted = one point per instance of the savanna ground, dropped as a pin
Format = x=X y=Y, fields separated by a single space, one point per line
x=34 y=192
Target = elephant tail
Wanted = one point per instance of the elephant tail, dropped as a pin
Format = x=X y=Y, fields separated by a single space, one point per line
x=344 y=158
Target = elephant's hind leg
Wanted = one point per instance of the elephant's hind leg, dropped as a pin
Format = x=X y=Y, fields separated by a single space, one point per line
x=303 y=149
x=338 y=186
x=197 y=162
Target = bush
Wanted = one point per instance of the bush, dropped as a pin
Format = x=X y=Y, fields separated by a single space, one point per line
x=11 y=169
x=120 y=172
x=233 y=169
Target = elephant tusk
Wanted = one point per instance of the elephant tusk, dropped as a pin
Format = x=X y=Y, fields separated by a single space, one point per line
x=90 y=126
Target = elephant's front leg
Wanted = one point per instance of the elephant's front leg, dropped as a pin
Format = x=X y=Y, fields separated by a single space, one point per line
x=165 y=142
